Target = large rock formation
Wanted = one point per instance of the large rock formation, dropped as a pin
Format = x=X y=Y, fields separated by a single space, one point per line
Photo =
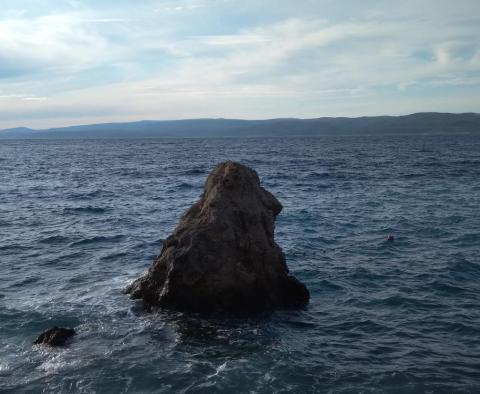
x=222 y=257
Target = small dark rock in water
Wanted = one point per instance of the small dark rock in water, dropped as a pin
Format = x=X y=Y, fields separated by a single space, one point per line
x=390 y=238
x=55 y=336
x=222 y=257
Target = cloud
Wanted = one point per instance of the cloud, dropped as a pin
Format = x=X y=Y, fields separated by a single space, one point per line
x=310 y=56
x=179 y=6
x=56 y=43
x=220 y=58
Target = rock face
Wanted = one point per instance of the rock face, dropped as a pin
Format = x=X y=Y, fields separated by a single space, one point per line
x=55 y=336
x=222 y=257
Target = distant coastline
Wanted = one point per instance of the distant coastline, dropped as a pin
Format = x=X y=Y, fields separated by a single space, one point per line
x=418 y=123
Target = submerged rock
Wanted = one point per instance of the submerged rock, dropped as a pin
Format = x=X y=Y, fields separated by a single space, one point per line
x=222 y=257
x=55 y=336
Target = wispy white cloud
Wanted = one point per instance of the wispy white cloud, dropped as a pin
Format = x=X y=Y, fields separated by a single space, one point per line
x=181 y=5
x=53 y=42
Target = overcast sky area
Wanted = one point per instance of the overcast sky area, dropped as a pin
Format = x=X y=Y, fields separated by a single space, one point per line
x=89 y=61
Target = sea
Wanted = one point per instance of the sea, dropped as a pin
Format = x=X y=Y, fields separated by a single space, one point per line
x=81 y=219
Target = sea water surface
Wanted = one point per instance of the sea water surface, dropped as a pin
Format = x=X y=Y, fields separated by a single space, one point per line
x=80 y=219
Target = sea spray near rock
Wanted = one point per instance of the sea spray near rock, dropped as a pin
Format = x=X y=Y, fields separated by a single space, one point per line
x=222 y=257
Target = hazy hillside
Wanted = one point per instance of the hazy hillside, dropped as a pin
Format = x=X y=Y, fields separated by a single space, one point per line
x=425 y=123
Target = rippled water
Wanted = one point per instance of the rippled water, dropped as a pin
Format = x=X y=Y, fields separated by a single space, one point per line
x=80 y=219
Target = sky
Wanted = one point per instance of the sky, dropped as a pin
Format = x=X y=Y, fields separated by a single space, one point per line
x=91 y=61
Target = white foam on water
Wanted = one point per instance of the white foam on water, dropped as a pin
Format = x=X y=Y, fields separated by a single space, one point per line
x=219 y=370
x=4 y=367
x=57 y=363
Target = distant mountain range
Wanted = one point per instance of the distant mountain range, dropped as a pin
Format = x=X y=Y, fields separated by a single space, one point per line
x=419 y=123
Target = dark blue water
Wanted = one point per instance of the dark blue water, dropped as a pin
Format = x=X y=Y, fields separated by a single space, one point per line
x=80 y=219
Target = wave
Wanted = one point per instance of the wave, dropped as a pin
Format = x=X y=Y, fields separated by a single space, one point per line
x=326 y=284
x=195 y=171
x=13 y=247
x=446 y=287
x=88 y=209
x=97 y=239
x=27 y=281
x=469 y=239
x=54 y=239
x=403 y=302
x=463 y=269
x=319 y=175
x=90 y=195
x=113 y=256
x=185 y=185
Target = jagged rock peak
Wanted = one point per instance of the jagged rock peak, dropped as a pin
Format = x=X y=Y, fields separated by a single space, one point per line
x=222 y=256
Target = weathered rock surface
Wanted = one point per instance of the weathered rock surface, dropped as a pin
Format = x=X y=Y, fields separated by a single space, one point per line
x=222 y=257
x=55 y=336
